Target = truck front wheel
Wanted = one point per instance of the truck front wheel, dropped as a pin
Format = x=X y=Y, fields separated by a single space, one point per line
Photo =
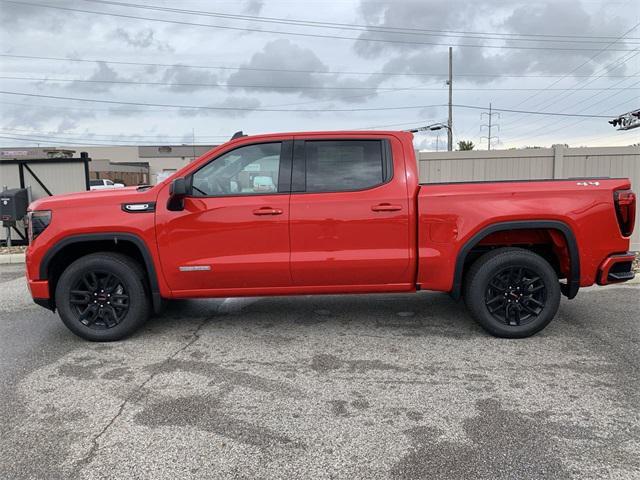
x=101 y=297
x=512 y=292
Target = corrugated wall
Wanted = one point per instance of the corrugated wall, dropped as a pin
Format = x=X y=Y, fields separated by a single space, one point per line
x=557 y=162
x=58 y=177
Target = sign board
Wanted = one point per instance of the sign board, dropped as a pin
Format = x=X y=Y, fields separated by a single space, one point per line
x=14 y=153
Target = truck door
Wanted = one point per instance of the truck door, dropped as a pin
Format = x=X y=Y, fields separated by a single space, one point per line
x=349 y=212
x=234 y=230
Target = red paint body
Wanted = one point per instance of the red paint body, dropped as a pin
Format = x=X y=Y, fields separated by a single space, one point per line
x=399 y=236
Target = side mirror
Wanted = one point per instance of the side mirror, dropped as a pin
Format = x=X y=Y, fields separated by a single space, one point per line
x=177 y=192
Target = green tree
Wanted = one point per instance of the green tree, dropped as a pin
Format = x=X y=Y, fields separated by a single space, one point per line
x=465 y=145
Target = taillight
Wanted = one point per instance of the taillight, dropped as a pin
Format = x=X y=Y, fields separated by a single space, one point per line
x=37 y=221
x=625 y=201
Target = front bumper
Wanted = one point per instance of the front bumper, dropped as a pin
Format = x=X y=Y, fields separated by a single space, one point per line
x=616 y=269
x=40 y=293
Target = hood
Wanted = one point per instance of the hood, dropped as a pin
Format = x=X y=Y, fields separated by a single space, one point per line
x=105 y=197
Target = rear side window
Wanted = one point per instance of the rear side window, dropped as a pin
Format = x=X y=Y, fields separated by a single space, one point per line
x=343 y=165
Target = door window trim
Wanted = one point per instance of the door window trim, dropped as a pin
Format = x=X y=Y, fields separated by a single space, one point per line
x=299 y=167
x=284 y=171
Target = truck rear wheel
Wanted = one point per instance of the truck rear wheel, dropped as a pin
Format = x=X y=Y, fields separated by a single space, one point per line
x=101 y=297
x=512 y=292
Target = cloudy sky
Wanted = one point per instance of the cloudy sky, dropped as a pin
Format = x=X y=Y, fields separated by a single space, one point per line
x=157 y=71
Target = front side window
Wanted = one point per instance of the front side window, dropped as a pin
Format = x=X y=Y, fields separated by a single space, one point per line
x=343 y=165
x=248 y=170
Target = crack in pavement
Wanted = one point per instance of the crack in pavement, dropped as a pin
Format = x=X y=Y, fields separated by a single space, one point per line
x=80 y=464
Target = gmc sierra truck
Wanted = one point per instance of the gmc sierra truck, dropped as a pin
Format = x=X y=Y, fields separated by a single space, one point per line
x=325 y=213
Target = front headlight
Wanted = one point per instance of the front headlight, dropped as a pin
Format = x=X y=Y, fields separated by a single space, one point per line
x=37 y=221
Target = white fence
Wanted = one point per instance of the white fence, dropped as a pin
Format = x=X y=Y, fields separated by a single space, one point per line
x=556 y=162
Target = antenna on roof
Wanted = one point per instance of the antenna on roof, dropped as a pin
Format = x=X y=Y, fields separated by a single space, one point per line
x=238 y=135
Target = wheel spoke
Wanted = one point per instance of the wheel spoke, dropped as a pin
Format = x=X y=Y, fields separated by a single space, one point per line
x=89 y=315
x=80 y=297
x=495 y=299
x=515 y=295
x=530 y=281
x=537 y=302
x=111 y=283
x=99 y=299
x=507 y=314
x=529 y=309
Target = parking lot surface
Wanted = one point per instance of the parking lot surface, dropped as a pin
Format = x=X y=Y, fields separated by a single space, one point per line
x=379 y=386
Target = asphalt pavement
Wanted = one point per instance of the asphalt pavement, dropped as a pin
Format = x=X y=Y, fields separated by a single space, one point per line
x=345 y=387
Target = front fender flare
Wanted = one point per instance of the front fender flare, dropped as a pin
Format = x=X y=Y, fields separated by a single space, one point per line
x=115 y=237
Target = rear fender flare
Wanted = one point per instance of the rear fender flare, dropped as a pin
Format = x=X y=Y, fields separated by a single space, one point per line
x=570 y=290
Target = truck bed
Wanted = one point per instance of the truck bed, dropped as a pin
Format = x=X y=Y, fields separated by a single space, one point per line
x=455 y=215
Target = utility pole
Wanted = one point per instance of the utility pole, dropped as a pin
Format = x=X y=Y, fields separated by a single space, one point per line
x=489 y=137
x=489 y=126
x=193 y=143
x=450 y=120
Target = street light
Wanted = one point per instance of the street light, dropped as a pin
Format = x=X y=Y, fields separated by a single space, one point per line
x=431 y=128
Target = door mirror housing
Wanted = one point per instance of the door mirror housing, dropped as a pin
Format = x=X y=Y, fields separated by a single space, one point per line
x=177 y=192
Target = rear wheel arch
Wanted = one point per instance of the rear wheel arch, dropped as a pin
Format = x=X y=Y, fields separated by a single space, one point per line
x=69 y=249
x=572 y=286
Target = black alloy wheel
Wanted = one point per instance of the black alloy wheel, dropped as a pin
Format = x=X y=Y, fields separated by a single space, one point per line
x=512 y=292
x=515 y=295
x=102 y=296
x=100 y=299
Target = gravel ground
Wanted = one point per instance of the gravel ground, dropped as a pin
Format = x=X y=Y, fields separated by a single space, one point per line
x=13 y=249
x=380 y=386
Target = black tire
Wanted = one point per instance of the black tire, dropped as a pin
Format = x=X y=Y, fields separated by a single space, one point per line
x=101 y=297
x=512 y=292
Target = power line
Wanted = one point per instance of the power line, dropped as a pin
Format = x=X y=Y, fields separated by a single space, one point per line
x=367 y=109
x=48 y=137
x=283 y=70
x=109 y=136
x=547 y=126
x=598 y=74
x=299 y=34
x=279 y=87
x=209 y=85
x=510 y=110
x=581 y=65
x=370 y=28
x=146 y=110
x=581 y=86
x=555 y=99
x=626 y=102
x=208 y=107
x=35 y=140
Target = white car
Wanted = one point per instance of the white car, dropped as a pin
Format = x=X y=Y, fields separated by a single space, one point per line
x=103 y=184
x=263 y=184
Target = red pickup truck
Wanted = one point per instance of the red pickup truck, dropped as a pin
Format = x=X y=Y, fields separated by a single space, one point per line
x=319 y=213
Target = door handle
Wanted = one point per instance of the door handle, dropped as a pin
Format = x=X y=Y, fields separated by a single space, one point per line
x=386 y=207
x=267 y=211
